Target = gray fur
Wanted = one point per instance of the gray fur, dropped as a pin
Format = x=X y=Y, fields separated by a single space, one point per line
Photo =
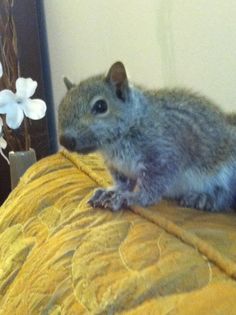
x=168 y=143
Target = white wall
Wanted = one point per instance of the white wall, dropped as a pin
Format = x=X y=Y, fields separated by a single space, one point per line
x=163 y=42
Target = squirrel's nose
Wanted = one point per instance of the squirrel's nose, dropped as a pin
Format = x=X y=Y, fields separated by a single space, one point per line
x=69 y=142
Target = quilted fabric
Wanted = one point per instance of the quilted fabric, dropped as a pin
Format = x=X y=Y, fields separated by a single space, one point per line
x=59 y=256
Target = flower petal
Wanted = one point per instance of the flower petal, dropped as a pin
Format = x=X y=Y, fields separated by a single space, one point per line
x=34 y=109
x=7 y=97
x=14 y=116
x=25 y=88
x=3 y=143
x=4 y=156
x=1 y=70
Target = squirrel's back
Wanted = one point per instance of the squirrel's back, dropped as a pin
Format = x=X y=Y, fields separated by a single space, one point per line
x=192 y=121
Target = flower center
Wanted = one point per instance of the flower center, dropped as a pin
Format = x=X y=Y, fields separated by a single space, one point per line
x=19 y=101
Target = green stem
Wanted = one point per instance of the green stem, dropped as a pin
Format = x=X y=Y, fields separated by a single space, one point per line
x=27 y=137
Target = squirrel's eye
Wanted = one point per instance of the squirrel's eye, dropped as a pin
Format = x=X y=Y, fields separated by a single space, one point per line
x=100 y=107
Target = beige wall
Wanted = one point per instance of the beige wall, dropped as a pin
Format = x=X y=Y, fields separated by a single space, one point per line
x=188 y=43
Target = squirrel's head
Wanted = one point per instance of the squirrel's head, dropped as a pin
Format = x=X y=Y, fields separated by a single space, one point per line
x=96 y=112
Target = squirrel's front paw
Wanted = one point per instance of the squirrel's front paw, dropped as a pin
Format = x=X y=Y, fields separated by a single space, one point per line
x=111 y=199
x=99 y=197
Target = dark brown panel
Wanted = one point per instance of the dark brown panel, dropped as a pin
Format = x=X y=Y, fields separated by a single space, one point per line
x=23 y=52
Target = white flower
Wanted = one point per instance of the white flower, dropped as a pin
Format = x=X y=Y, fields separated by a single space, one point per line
x=3 y=143
x=15 y=105
x=1 y=71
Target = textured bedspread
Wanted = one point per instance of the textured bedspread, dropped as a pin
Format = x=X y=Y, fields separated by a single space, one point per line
x=59 y=256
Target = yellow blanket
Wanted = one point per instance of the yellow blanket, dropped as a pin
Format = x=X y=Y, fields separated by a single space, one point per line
x=59 y=256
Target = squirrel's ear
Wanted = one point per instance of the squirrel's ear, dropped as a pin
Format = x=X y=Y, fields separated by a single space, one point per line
x=68 y=83
x=117 y=77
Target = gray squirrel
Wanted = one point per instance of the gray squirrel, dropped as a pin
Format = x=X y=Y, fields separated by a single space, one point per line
x=166 y=143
